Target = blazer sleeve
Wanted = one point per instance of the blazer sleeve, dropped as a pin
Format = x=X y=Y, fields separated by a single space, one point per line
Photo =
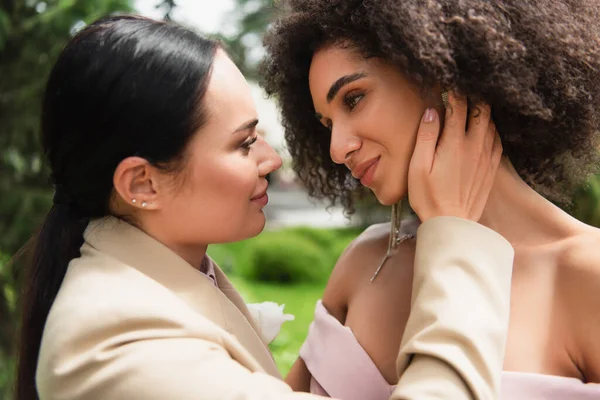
x=182 y=369
x=454 y=341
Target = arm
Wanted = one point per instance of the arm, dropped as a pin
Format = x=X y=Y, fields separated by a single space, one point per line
x=579 y=294
x=299 y=377
x=454 y=354
x=335 y=299
x=453 y=345
x=168 y=368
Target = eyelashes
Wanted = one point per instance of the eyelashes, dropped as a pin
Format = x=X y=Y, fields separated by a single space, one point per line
x=351 y=100
x=247 y=145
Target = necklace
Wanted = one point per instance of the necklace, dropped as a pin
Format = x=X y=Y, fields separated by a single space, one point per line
x=395 y=237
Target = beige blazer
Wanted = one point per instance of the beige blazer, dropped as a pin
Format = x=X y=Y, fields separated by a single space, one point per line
x=133 y=320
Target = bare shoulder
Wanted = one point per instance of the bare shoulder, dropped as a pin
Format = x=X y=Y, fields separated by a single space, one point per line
x=355 y=265
x=579 y=269
x=579 y=283
x=581 y=254
x=370 y=245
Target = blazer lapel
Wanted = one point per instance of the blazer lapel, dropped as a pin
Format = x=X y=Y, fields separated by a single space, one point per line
x=241 y=320
x=223 y=306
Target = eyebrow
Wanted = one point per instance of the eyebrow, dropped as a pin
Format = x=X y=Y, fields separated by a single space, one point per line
x=247 y=125
x=341 y=82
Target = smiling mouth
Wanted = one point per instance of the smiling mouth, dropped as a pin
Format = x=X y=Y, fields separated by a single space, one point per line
x=361 y=169
x=261 y=200
x=259 y=196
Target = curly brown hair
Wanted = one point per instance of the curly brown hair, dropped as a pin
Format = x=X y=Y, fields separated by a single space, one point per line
x=536 y=62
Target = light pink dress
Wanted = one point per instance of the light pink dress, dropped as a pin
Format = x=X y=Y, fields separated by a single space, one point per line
x=341 y=368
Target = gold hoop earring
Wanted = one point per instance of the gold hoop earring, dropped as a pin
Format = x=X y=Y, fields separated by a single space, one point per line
x=396 y=235
x=445 y=99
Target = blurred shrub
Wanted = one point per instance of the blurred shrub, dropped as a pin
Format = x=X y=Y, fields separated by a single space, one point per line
x=333 y=241
x=286 y=258
x=321 y=237
x=231 y=256
x=291 y=255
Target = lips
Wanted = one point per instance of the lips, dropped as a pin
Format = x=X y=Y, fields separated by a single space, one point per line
x=361 y=168
x=260 y=195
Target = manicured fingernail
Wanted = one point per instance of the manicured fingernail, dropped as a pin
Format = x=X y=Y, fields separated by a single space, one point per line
x=430 y=115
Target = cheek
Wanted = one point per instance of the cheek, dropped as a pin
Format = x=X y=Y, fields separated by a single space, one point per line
x=216 y=195
x=226 y=182
x=393 y=123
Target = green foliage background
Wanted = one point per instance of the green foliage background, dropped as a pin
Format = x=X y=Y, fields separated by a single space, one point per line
x=31 y=35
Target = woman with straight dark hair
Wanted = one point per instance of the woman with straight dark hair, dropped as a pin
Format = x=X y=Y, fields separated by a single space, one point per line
x=150 y=133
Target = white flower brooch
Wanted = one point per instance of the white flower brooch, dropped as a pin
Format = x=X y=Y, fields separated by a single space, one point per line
x=269 y=317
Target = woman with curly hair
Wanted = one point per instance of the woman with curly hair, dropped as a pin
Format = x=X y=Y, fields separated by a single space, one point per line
x=149 y=130
x=353 y=79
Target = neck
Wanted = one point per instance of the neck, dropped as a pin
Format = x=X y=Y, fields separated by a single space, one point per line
x=521 y=215
x=193 y=254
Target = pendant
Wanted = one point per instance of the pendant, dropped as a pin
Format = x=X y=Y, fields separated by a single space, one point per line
x=395 y=237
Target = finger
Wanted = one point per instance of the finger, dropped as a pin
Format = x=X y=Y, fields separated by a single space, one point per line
x=489 y=164
x=425 y=146
x=455 y=121
x=479 y=119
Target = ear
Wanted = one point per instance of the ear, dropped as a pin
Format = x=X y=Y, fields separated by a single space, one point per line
x=136 y=182
x=437 y=97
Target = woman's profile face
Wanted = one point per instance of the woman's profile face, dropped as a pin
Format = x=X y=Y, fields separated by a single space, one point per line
x=373 y=113
x=223 y=187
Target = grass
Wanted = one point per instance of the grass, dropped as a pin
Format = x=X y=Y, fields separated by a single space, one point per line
x=299 y=300
x=278 y=249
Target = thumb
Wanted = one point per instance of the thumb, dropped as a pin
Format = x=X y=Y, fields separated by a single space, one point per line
x=427 y=137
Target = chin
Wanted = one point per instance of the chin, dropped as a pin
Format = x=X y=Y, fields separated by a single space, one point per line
x=254 y=227
x=389 y=197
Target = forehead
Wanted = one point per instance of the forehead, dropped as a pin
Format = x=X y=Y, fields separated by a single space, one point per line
x=228 y=95
x=331 y=62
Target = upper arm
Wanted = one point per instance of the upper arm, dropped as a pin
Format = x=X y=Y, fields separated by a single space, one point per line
x=335 y=299
x=299 y=376
x=338 y=292
x=581 y=286
x=339 y=286
x=172 y=368
x=349 y=270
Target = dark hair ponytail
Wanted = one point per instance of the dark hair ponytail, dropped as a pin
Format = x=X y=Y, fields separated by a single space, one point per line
x=124 y=86
x=56 y=244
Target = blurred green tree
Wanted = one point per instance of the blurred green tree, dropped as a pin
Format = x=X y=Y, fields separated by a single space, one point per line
x=32 y=33
x=586 y=202
x=243 y=35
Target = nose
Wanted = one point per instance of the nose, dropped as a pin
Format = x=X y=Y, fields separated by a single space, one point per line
x=268 y=159
x=342 y=145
